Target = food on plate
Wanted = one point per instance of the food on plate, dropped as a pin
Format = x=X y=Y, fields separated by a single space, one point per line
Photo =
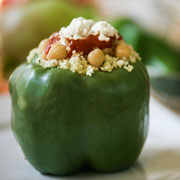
x=81 y=99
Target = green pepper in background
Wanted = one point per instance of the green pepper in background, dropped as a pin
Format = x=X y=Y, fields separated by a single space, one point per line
x=64 y=121
x=158 y=54
x=162 y=60
x=154 y=51
x=130 y=31
x=24 y=26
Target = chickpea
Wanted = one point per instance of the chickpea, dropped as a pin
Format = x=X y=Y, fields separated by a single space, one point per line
x=122 y=50
x=57 y=51
x=96 y=57
x=43 y=44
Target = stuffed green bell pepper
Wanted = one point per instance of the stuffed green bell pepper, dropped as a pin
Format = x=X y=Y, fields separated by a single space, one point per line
x=81 y=100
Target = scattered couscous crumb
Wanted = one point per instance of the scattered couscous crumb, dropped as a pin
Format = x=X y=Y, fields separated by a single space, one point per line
x=79 y=64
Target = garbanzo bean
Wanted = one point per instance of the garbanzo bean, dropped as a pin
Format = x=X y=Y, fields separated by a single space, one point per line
x=57 y=52
x=43 y=44
x=122 y=50
x=96 y=57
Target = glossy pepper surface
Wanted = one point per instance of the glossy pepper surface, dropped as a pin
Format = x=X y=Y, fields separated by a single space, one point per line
x=64 y=121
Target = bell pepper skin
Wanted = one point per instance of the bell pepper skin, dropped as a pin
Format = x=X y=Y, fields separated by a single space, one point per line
x=64 y=121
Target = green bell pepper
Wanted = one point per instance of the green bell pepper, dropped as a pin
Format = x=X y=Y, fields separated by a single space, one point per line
x=64 y=121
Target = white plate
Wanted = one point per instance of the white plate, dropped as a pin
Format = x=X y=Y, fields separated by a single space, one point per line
x=160 y=159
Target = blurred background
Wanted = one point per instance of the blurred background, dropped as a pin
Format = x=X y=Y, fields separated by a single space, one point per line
x=152 y=27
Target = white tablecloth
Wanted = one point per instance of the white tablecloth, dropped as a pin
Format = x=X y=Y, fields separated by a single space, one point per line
x=160 y=159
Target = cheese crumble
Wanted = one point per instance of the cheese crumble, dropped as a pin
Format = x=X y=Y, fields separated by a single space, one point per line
x=81 y=28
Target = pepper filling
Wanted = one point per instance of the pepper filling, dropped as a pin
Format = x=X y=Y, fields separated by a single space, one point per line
x=85 y=46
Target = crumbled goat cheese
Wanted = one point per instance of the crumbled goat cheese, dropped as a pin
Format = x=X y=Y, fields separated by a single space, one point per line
x=105 y=30
x=80 y=28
